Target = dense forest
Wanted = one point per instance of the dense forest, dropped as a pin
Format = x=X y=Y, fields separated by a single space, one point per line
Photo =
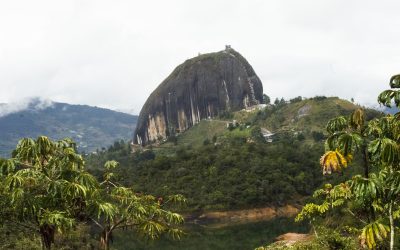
x=233 y=175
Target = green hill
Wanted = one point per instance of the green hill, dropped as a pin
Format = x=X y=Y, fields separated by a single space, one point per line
x=91 y=127
x=306 y=115
x=230 y=167
x=304 y=118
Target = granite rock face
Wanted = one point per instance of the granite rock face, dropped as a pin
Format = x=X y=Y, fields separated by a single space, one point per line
x=200 y=88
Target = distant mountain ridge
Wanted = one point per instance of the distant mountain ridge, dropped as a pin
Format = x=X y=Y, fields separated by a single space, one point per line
x=90 y=127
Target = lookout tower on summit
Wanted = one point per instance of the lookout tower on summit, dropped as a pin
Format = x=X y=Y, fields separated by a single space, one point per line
x=227 y=47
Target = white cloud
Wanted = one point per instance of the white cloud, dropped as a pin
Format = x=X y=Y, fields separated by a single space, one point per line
x=34 y=103
x=114 y=53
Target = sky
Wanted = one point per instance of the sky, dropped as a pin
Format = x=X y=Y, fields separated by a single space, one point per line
x=113 y=54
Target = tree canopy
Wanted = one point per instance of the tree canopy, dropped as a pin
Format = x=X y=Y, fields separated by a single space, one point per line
x=45 y=189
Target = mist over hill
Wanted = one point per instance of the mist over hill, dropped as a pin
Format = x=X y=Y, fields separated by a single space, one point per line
x=90 y=127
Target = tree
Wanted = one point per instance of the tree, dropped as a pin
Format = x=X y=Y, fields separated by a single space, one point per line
x=256 y=134
x=350 y=136
x=44 y=186
x=296 y=99
x=266 y=99
x=114 y=206
x=375 y=195
x=317 y=136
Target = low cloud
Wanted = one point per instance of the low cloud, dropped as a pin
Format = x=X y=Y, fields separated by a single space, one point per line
x=34 y=104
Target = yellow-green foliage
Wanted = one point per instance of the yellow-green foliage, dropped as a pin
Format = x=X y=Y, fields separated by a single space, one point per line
x=333 y=161
x=333 y=197
x=373 y=233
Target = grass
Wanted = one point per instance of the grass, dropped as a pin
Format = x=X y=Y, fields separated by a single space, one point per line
x=315 y=119
x=206 y=129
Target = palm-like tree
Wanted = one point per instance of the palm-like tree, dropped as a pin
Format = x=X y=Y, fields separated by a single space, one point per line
x=389 y=96
x=45 y=186
x=378 y=142
x=347 y=136
x=114 y=206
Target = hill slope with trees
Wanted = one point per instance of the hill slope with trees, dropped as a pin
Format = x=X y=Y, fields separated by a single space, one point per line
x=90 y=127
x=227 y=163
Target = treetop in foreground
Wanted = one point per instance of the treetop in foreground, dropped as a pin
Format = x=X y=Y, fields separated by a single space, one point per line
x=45 y=189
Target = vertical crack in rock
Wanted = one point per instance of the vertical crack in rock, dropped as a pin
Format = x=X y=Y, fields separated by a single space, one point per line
x=227 y=95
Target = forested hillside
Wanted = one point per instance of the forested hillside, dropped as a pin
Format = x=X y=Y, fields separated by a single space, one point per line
x=231 y=163
x=90 y=127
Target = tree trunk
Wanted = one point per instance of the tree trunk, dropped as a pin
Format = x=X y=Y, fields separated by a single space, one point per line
x=370 y=209
x=105 y=239
x=47 y=235
x=365 y=160
x=391 y=226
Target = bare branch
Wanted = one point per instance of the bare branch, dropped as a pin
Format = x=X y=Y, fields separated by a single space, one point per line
x=127 y=225
x=96 y=222
x=118 y=223
x=363 y=221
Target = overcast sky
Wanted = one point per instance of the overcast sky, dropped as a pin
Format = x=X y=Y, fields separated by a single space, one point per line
x=113 y=54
